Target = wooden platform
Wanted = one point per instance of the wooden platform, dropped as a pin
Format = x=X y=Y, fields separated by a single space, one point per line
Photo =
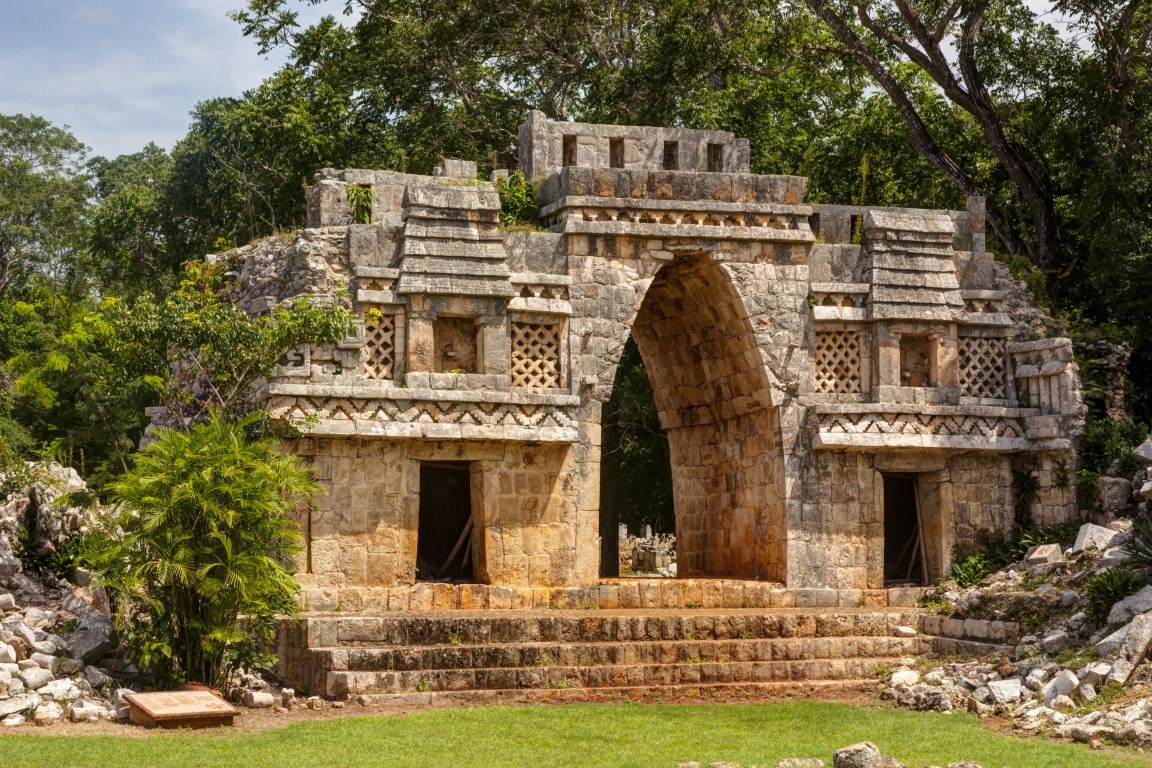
x=180 y=709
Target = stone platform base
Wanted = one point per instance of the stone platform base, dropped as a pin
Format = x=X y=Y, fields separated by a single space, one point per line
x=609 y=595
x=404 y=652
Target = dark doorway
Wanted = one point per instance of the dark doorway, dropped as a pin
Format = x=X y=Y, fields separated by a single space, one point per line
x=903 y=540
x=444 y=535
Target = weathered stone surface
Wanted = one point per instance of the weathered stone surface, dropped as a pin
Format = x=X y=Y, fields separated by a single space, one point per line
x=1044 y=553
x=1134 y=650
x=18 y=703
x=60 y=690
x=1006 y=691
x=905 y=677
x=1123 y=611
x=1063 y=684
x=1093 y=536
x=1056 y=641
x=1112 y=643
x=800 y=762
x=862 y=755
x=35 y=677
x=258 y=699
x=1143 y=451
x=1114 y=493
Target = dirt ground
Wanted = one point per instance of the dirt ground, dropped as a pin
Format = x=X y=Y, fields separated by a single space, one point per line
x=260 y=720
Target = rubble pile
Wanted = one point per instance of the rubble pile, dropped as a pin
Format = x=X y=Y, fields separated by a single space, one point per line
x=1066 y=675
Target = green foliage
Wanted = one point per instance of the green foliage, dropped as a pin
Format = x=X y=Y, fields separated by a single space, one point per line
x=519 y=201
x=1105 y=589
x=1140 y=548
x=636 y=483
x=1025 y=490
x=198 y=576
x=360 y=198
x=1107 y=446
x=61 y=562
x=973 y=568
x=43 y=198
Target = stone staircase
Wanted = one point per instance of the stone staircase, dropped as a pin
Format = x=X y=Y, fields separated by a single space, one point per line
x=493 y=653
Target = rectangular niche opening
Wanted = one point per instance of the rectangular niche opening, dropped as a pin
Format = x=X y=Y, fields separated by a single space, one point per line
x=917 y=366
x=671 y=155
x=444 y=531
x=569 y=151
x=615 y=153
x=454 y=339
x=904 y=546
x=716 y=158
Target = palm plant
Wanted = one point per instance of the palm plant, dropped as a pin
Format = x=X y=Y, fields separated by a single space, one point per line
x=198 y=576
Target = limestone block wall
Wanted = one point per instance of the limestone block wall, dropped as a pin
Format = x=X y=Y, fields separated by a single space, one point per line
x=362 y=532
x=966 y=500
x=727 y=480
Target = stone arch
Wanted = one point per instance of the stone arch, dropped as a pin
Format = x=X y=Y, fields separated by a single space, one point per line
x=712 y=392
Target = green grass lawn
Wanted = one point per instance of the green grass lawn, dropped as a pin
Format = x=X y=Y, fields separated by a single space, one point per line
x=600 y=735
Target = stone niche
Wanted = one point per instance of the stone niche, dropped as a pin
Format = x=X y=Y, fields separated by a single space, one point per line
x=454 y=342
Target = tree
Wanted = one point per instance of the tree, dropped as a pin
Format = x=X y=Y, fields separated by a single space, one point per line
x=129 y=243
x=198 y=578
x=43 y=198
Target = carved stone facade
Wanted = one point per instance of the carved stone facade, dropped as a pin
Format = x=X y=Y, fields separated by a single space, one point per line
x=837 y=383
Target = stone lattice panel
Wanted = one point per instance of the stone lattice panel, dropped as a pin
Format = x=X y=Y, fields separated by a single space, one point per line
x=536 y=355
x=983 y=366
x=379 y=352
x=838 y=361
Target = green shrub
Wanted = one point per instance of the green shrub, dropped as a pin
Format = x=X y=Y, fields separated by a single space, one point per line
x=972 y=570
x=360 y=198
x=519 y=201
x=1108 y=444
x=969 y=570
x=1140 y=548
x=197 y=577
x=1105 y=589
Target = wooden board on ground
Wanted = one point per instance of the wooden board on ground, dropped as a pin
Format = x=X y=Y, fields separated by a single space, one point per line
x=180 y=709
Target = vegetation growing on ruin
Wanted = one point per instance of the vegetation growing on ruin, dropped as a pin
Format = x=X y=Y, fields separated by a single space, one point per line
x=199 y=575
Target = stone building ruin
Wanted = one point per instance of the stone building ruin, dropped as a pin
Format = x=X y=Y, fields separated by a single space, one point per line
x=847 y=391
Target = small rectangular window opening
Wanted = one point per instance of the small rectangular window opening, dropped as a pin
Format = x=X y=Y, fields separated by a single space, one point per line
x=615 y=153
x=917 y=366
x=569 y=151
x=671 y=155
x=716 y=158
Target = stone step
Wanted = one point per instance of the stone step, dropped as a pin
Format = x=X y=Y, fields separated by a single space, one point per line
x=619 y=653
x=348 y=684
x=607 y=693
x=487 y=628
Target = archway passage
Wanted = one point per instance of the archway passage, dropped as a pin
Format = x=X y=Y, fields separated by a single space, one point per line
x=711 y=392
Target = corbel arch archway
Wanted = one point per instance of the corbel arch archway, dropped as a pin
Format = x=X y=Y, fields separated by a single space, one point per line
x=711 y=390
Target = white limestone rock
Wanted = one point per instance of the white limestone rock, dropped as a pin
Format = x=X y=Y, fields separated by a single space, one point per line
x=1006 y=691
x=863 y=755
x=1123 y=611
x=905 y=677
x=1133 y=651
x=1056 y=641
x=1112 y=643
x=1143 y=451
x=1093 y=536
x=61 y=690
x=1113 y=493
x=1061 y=685
x=35 y=677
x=258 y=699
x=47 y=713
x=1043 y=554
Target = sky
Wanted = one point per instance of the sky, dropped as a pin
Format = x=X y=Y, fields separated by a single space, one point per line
x=122 y=73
